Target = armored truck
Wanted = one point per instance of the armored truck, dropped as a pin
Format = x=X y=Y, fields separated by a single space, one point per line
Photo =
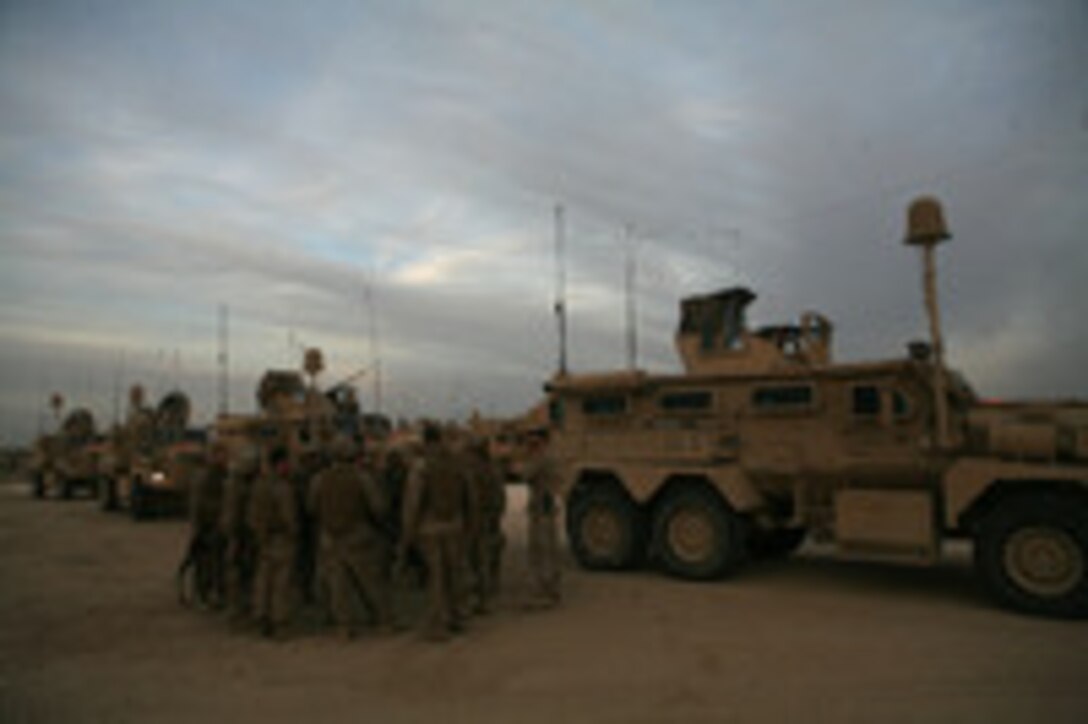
x=67 y=461
x=153 y=458
x=763 y=441
x=298 y=415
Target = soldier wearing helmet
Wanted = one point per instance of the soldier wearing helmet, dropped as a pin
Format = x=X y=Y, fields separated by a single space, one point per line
x=207 y=543
x=349 y=507
x=485 y=540
x=542 y=478
x=436 y=507
x=241 y=546
x=311 y=461
x=274 y=518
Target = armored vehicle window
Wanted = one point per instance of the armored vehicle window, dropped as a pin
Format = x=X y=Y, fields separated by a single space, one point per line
x=605 y=405
x=555 y=412
x=900 y=405
x=866 y=400
x=789 y=397
x=686 y=401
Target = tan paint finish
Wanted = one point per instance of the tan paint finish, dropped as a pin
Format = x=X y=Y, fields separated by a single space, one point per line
x=887 y=523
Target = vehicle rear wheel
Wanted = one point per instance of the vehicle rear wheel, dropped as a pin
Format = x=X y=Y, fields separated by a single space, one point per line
x=604 y=527
x=67 y=485
x=1032 y=553
x=697 y=536
x=39 y=485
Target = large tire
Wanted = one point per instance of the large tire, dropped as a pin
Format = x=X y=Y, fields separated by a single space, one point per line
x=1032 y=554
x=605 y=529
x=39 y=485
x=697 y=536
x=67 y=487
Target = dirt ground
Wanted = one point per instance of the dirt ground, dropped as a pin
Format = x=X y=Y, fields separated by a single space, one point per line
x=91 y=631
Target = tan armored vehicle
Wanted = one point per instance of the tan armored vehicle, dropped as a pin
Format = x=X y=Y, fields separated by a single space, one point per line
x=764 y=440
x=154 y=458
x=67 y=461
x=297 y=414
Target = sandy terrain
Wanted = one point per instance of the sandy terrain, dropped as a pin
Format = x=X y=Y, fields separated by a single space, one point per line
x=90 y=631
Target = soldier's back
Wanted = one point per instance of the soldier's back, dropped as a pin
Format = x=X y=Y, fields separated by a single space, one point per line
x=339 y=503
x=444 y=486
x=271 y=506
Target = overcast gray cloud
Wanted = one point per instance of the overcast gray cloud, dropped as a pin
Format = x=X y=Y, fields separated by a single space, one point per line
x=158 y=159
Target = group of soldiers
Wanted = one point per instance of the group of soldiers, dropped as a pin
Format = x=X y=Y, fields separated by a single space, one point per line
x=327 y=529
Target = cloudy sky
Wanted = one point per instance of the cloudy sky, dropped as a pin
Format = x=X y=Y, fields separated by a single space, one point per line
x=382 y=175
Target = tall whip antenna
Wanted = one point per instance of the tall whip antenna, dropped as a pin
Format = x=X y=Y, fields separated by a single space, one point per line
x=561 y=287
x=224 y=359
x=629 y=289
x=375 y=349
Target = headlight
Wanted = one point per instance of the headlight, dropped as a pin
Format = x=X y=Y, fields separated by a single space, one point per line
x=158 y=478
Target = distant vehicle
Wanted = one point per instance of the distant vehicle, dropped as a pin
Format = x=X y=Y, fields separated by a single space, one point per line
x=153 y=459
x=66 y=462
x=763 y=441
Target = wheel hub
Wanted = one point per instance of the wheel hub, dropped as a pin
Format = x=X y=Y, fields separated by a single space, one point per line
x=691 y=535
x=1044 y=561
x=602 y=532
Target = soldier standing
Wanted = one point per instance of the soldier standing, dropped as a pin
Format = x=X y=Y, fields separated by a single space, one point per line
x=349 y=507
x=542 y=478
x=241 y=546
x=207 y=543
x=311 y=462
x=435 y=509
x=485 y=536
x=274 y=518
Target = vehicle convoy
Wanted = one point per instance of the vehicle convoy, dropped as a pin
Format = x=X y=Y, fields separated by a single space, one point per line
x=763 y=441
x=67 y=460
x=153 y=458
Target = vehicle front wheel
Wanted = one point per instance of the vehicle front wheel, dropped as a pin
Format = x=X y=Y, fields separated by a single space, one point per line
x=1032 y=554
x=604 y=527
x=697 y=536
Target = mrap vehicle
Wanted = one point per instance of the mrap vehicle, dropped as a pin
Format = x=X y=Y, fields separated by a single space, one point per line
x=763 y=441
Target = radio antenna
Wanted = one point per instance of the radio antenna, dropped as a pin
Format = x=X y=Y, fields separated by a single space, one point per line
x=224 y=359
x=375 y=348
x=561 y=287
x=630 y=273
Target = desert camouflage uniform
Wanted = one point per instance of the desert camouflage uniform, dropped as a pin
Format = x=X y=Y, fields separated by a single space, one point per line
x=542 y=478
x=241 y=545
x=273 y=515
x=349 y=506
x=310 y=465
x=207 y=543
x=485 y=537
x=435 y=509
